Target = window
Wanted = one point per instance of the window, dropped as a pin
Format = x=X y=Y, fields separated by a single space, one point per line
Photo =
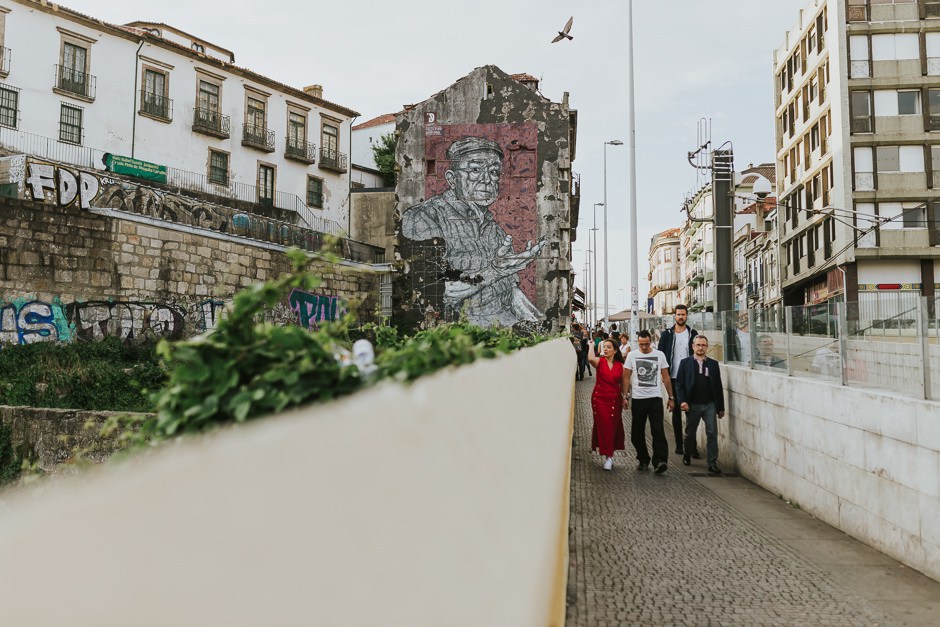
x=9 y=106
x=218 y=167
x=330 y=139
x=861 y=112
x=4 y=53
x=908 y=103
x=255 y=115
x=932 y=8
x=811 y=39
x=314 y=192
x=70 y=124
x=895 y=47
x=153 y=100
x=72 y=71
x=935 y=159
x=888 y=158
x=859 y=66
x=265 y=184
x=933 y=109
x=208 y=98
x=296 y=128
x=814 y=137
x=914 y=216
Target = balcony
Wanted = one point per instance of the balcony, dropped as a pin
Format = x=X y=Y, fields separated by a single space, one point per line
x=5 y=56
x=257 y=136
x=156 y=106
x=211 y=122
x=332 y=160
x=71 y=82
x=299 y=150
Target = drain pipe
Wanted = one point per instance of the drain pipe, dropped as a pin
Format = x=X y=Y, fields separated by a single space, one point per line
x=134 y=99
x=349 y=181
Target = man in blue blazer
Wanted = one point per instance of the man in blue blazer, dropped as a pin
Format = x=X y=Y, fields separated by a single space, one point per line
x=700 y=394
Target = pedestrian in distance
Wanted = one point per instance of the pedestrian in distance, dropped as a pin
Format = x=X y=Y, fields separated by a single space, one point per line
x=585 y=341
x=676 y=344
x=645 y=370
x=608 y=436
x=576 y=343
x=700 y=394
x=624 y=345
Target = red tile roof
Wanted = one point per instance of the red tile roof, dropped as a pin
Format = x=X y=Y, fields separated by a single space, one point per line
x=387 y=118
x=523 y=77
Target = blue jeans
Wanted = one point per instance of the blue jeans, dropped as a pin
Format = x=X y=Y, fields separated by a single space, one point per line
x=707 y=413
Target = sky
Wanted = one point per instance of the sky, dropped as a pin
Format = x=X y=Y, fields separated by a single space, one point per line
x=693 y=60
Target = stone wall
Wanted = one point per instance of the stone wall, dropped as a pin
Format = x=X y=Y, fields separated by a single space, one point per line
x=66 y=272
x=54 y=436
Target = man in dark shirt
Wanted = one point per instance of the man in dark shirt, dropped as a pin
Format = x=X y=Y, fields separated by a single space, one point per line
x=699 y=393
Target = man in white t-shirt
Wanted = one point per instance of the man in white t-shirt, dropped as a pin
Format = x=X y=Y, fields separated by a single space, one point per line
x=645 y=369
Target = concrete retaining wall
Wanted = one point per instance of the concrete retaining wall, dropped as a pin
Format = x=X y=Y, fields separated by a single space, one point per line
x=445 y=503
x=864 y=461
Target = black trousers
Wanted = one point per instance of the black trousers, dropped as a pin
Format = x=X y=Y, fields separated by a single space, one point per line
x=583 y=363
x=678 y=431
x=643 y=410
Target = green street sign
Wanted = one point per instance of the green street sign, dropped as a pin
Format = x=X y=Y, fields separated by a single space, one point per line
x=136 y=168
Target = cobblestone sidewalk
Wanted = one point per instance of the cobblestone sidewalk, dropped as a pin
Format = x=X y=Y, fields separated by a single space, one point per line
x=650 y=549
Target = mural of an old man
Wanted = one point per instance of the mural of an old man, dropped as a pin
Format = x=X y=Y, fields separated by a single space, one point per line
x=478 y=252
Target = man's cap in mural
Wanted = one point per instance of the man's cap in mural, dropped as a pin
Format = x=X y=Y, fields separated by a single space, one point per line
x=467 y=145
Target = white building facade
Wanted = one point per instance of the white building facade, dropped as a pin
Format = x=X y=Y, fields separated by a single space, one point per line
x=74 y=88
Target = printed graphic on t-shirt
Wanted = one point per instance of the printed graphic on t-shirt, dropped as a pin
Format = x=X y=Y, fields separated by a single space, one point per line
x=646 y=371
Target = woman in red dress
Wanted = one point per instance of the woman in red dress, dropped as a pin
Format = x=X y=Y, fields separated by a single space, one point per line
x=607 y=435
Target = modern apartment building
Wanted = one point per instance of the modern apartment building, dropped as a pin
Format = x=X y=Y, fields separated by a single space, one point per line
x=74 y=89
x=858 y=150
x=664 y=272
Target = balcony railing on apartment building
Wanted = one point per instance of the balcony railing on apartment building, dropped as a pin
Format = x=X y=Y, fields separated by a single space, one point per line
x=257 y=136
x=332 y=160
x=75 y=82
x=5 y=57
x=211 y=122
x=177 y=180
x=299 y=150
x=156 y=105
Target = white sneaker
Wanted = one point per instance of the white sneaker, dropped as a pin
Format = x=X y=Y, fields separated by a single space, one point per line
x=609 y=463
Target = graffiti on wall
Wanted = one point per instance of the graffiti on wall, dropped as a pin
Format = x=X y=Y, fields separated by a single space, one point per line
x=26 y=321
x=312 y=309
x=471 y=245
x=65 y=187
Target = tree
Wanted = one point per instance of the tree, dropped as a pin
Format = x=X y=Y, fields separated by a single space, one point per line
x=384 y=154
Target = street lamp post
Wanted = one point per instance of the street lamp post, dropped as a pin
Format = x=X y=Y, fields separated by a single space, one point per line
x=631 y=138
x=613 y=142
x=594 y=230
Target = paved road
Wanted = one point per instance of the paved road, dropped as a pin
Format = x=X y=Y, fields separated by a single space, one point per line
x=685 y=548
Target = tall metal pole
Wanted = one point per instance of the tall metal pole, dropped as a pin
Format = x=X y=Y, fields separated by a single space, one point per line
x=595 y=272
x=634 y=268
x=606 y=275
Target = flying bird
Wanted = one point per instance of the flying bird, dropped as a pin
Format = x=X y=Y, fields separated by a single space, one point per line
x=563 y=33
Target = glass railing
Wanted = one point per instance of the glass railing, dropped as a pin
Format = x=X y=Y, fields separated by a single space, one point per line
x=888 y=341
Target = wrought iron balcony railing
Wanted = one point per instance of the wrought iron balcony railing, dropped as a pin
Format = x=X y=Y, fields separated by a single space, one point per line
x=156 y=105
x=299 y=150
x=258 y=136
x=75 y=82
x=5 y=57
x=211 y=122
x=332 y=160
